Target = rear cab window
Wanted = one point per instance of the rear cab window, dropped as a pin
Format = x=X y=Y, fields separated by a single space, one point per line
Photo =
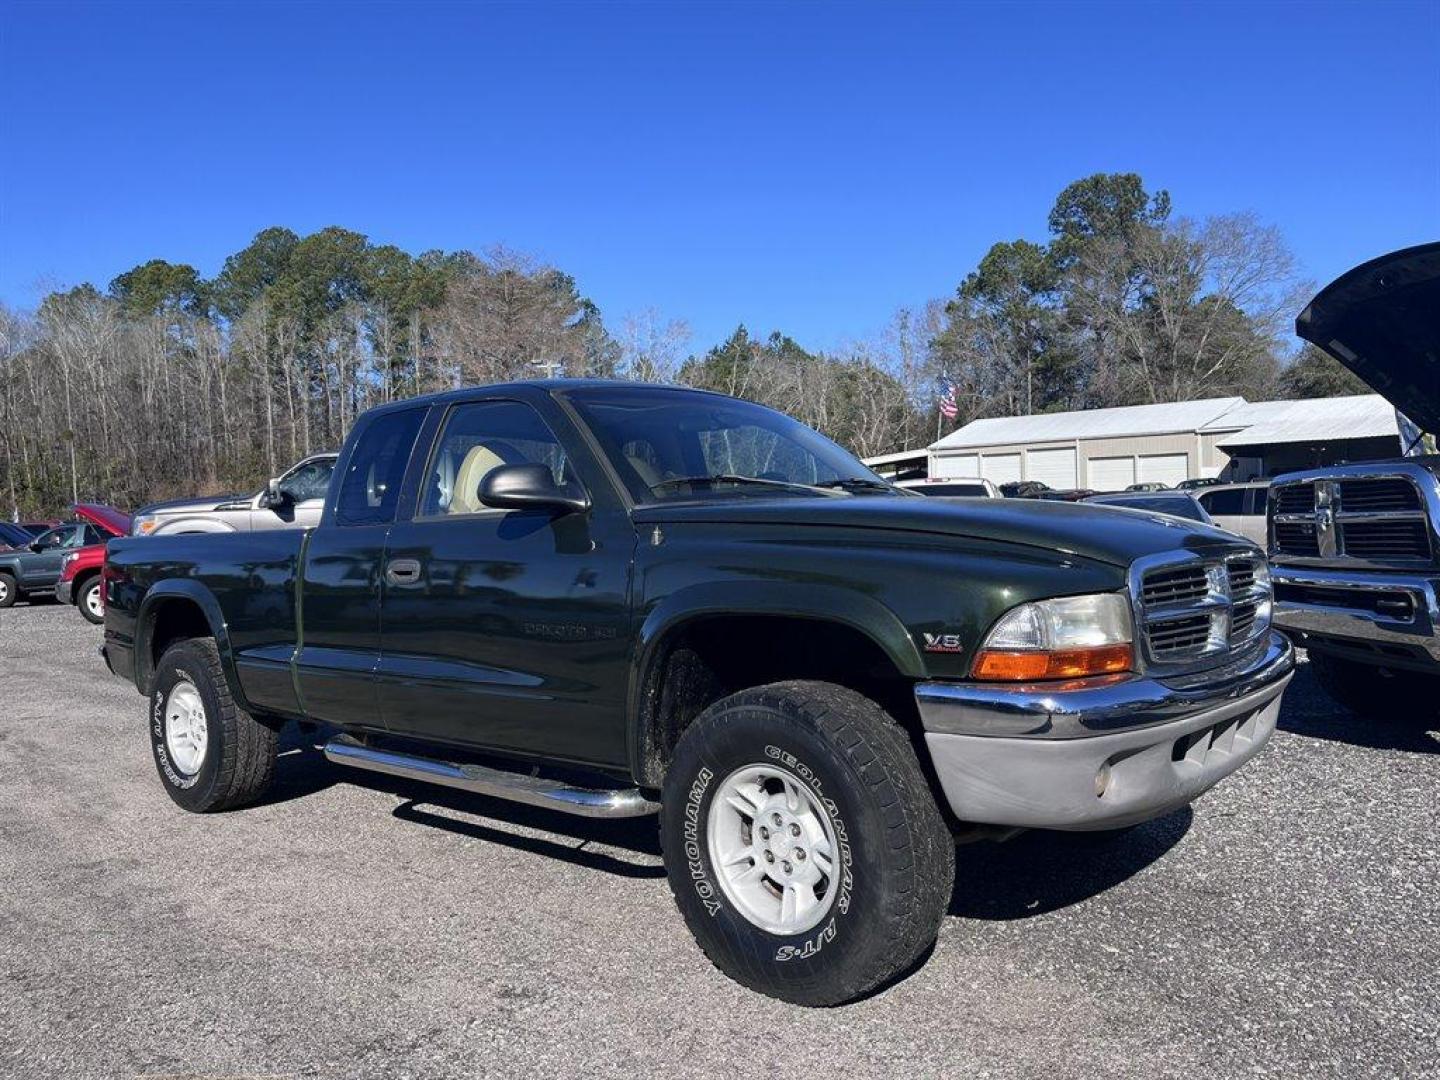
x=369 y=490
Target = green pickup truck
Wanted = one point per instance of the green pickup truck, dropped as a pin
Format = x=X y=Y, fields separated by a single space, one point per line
x=613 y=599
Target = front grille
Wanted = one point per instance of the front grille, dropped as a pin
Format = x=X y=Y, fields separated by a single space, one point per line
x=1175 y=586
x=1385 y=539
x=1195 y=612
x=1382 y=494
x=1370 y=518
x=1295 y=499
x=1296 y=538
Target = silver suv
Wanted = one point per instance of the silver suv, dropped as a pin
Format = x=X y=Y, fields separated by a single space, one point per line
x=291 y=501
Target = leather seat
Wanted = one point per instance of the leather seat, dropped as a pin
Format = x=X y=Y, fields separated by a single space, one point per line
x=479 y=460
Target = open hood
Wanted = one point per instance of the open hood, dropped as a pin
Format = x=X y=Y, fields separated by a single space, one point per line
x=105 y=518
x=1382 y=321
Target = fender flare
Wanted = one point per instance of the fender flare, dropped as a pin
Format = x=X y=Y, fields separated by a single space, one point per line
x=191 y=591
x=819 y=603
x=193 y=523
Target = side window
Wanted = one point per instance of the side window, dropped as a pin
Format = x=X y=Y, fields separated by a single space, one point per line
x=479 y=437
x=309 y=481
x=1261 y=495
x=92 y=536
x=1227 y=502
x=370 y=488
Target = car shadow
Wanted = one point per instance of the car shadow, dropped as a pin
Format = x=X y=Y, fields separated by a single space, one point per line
x=1309 y=711
x=302 y=770
x=1040 y=871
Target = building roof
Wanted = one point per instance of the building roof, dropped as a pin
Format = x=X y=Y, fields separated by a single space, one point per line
x=1128 y=420
x=1314 y=420
x=899 y=457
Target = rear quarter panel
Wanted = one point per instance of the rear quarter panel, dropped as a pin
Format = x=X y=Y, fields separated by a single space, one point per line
x=243 y=582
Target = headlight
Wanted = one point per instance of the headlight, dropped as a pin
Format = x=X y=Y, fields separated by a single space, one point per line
x=144 y=525
x=1066 y=638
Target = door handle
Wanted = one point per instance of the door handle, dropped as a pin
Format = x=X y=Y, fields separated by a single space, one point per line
x=402 y=571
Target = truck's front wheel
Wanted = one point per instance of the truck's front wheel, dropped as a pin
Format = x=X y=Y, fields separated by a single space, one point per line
x=89 y=601
x=803 y=846
x=1376 y=693
x=211 y=754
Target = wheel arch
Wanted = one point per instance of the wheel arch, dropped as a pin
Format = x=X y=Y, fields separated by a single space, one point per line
x=179 y=608
x=841 y=617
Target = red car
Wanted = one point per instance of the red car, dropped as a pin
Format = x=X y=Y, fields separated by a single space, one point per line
x=79 y=582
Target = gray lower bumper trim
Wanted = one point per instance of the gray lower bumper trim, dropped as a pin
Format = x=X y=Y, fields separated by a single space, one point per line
x=1098 y=754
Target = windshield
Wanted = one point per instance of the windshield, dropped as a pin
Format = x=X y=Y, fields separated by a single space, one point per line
x=681 y=445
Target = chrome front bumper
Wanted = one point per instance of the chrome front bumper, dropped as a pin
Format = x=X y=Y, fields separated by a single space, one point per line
x=1098 y=753
x=1350 y=614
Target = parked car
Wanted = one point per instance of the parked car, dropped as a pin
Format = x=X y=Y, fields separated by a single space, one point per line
x=966 y=487
x=1149 y=485
x=80 y=574
x=1024 y=489
x=611 y=599
x=34 y=570
x=1175 y=503
x=1239 y=508
x=1199 y=482
x=1357 y=547
x=13 y=536
x=293 y=500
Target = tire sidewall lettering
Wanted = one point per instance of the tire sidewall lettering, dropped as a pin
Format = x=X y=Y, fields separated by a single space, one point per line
x=157 y=731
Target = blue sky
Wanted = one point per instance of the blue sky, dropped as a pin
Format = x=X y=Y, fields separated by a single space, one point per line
x=801 y=167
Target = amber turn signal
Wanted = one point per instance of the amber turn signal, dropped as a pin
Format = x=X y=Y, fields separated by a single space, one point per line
x=998 y=665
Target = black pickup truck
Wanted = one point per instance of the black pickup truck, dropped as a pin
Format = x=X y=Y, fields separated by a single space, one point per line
x=612 y=599
x=1357 y=547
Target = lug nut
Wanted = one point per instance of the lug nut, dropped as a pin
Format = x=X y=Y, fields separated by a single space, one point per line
x=776 y=819
x=769 y=856
x=764 y=833
x=785 y=866
x=794 y=830
x=799 y=854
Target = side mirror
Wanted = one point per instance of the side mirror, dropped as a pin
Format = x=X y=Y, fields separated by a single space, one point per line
x=272 y=496
x=531 y=487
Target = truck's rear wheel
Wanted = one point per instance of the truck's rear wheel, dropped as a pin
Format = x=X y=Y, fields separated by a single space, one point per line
x=803 y=846
x=88 y=599
x=211 y=755
x=1374 y=692
x=8 y=592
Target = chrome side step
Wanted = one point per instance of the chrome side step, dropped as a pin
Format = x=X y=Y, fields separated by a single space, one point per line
x=517 y=787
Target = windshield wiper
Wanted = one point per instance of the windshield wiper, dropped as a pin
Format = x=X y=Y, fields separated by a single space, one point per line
x=730 y=478
x=863 y=483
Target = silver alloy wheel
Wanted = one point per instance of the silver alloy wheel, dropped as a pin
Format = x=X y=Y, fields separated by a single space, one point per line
x=186 y=734
x=4 y=589
x=92 y=600
x=773 y=848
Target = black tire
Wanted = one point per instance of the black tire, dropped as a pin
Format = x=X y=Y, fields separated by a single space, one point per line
x=86 y=591
x=9 y=591
x=238 y=762
x=1373 y=692
x=895 y=869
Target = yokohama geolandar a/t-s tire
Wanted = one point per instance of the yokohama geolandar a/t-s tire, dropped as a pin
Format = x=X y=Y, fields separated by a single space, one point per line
x=211 y=755
x=803 y=845
x=1377 y=693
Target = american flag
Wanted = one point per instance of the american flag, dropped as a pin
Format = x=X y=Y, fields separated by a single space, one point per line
x=948 y=408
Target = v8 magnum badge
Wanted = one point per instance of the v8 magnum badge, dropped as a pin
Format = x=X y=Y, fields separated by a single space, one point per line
x=943 y=643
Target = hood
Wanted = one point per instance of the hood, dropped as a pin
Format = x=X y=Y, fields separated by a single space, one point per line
x=105 y=518
x=1092 y=532
x=1382 y=321
x=206 y=505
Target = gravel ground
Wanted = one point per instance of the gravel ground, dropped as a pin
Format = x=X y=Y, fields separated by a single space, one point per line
x=1287 y=925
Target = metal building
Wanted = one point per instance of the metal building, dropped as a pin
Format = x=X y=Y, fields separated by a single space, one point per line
x=1110 y=449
